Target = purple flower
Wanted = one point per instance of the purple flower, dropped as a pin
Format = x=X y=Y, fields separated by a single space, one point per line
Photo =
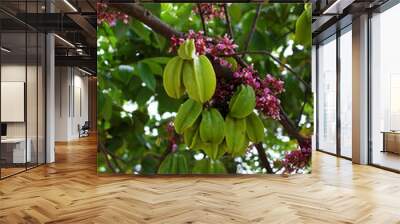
x=108 y=16
x=210 y=11
x=266 y=90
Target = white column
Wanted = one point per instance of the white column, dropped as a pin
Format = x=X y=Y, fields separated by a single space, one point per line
x=360 y=90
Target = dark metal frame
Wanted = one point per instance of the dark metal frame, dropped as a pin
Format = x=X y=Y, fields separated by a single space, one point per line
x=44 y=79
x=338 y=98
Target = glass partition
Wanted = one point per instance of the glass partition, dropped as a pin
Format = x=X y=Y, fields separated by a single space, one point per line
x=41 y=91
x=346 y=93
x=15 y=151
x=327 y=96
x=32 y=97
x=385 y=89
x=22 y=101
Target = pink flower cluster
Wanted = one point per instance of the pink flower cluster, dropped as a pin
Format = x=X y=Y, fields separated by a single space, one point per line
x=266 y=90
x=210 y=11
x=202 y=43
x=298 y=159
x=224 y=46
x=109 y=17
x=206 y=45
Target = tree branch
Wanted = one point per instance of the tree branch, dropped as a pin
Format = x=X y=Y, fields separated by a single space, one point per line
x=228 y=21
x=302 y=109
x=202 y=19
x=253 y=27
x=263 y=158
x=113 y=156
x=107 y=159
x=297 y=76
x=137 y=11
x=291 y=128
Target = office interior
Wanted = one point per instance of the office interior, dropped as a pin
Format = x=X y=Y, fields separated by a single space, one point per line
x=357 y=81
x=48 y=79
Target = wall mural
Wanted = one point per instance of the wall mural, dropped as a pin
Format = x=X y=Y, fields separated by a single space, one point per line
x=196 y=88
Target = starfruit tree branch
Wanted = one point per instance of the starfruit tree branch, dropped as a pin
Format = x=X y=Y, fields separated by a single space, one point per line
x=253 y=27
x=107 y=153
x=203 y=22
x=291 y=128
x=145 y=16
x=302 y=109
x=269 y=54
x=138 y=12
x=228 y=22
x=263 y=158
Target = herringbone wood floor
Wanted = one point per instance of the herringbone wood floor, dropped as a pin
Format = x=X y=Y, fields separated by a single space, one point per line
x=69 y=191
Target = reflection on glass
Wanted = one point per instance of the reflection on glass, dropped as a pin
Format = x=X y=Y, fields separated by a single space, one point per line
x=31 y=100
x=385 y=84
x=15 y=151
x=41 y=99
x=346 y=94
x=327 y=96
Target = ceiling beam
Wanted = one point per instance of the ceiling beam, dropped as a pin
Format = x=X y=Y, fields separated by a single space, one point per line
x=89 y=30
x=78 y=61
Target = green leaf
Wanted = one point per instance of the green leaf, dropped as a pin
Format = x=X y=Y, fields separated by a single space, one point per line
x=107 y=108
x=233 y=63
x=144 y=72
x=208 y=166
x=174 y=163
x=141 y=31
x=123 y=73
x=235 y=13
x=154 y=8
x=159 y=60
x=149 y=165
x=155 y=68
x=303 y=27
x=166 y=103
x=143 y=95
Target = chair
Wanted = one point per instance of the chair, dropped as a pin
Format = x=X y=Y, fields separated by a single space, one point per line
x=84 y=130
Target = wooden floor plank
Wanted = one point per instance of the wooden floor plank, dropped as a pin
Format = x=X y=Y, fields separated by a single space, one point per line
x=70 y=191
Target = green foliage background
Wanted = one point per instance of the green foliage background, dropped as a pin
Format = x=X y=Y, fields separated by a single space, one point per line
x=134 y=108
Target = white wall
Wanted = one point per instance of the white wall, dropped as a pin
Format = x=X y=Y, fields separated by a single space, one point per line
x=9 y=73
x=16 y=73
x=71 y=102
x=61 y=103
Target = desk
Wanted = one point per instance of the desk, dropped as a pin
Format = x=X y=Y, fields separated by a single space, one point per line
x=13 y=150
x=391 y=141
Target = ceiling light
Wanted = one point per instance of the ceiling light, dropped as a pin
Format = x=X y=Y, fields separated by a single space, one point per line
x=84 y=71
x=5 y=49
x=70 y=5
x=65 y=41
